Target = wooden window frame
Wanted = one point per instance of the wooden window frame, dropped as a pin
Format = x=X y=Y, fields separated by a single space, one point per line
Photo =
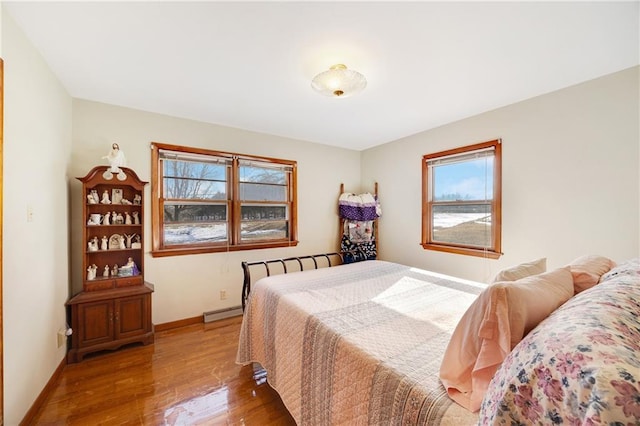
x=234 y=204
x=496 y=204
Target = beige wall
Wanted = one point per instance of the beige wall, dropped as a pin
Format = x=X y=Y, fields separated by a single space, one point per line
x=187 y=286
x=570 y=178
x=37 y=149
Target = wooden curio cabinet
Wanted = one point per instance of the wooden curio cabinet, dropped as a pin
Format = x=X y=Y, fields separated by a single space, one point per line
x=114 y=306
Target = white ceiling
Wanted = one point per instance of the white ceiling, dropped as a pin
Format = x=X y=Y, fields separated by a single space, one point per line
x=249 y=65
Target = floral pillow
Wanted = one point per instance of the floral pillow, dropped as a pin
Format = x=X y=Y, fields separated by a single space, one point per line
x=580 y=365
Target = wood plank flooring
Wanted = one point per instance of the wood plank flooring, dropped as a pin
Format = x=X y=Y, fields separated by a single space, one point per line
x=187 y=377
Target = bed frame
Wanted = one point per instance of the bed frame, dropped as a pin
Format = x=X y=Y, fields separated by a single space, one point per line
x=282 y=269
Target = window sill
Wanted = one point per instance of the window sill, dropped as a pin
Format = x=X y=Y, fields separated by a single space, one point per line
x=218 y=249
x=463 y=250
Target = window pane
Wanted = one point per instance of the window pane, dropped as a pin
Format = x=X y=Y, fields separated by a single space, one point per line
x=253 y=212
x=255 y=230
x=468 y=224
x=186 y=213
x=194 y=223
x=193 y=180
x=470 y=180
x=195 y=233
x=263 y=175
x=187 y=189
x=261 y=192
x=260 y=222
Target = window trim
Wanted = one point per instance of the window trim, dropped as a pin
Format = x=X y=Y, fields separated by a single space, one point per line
x=233 y=201
x=496 y=214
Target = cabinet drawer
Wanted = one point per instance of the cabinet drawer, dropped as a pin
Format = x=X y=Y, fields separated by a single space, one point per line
x=128 y=281
x=98 y=285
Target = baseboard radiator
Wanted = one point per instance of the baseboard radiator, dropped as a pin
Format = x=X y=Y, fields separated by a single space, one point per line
x=222 y=314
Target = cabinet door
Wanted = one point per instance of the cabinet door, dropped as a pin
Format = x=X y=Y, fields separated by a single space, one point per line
x=133 y=316
x=96 y=323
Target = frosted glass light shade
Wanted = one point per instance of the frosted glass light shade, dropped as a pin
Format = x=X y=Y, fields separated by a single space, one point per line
x=339 y=82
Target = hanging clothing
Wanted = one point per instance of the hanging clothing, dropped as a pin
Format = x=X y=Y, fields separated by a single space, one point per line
x=359 y=231
x=358 y=207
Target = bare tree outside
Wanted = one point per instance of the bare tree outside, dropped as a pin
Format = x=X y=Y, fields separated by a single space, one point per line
x=196 y=206
x=267 y=220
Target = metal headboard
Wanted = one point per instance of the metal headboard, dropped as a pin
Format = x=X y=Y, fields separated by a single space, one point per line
x=246 y=285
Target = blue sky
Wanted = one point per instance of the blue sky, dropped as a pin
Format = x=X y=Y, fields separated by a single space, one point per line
x=471 y=179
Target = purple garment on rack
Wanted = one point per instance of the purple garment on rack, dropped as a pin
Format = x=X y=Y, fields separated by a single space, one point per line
x=358 y=207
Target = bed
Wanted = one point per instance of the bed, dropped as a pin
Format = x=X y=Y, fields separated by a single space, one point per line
x=357 y=343
x=364 y=343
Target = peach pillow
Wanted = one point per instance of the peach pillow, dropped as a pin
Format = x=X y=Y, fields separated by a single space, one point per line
x=533 y=298
x=587 y=270
x=496 y=321
x=522 y=270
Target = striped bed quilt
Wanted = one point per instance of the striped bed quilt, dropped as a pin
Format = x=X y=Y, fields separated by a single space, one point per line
x=357 y=344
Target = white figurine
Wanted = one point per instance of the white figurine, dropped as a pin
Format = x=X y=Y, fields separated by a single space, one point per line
x=121 y=243
x=127 y=218
x=136 y=218
x=137 y=243
x=105 y=243
x=90 y=199
x=128 y=241
x=137 y=200
x=116 y=158
x=105 y=197
x=105 y=273
x=105 y=220
x=96 y=198
x=114 y=271
x=91 y=272
x=114 y=216
x=94 y=244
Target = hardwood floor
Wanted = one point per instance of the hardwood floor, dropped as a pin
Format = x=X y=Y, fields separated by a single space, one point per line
x=187 y=377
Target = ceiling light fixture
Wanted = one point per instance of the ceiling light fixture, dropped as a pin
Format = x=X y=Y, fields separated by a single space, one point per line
x=339 y=82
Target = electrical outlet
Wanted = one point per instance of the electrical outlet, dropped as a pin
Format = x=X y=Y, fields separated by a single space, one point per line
x=63 y=333
x=62 y=337
x=223 y=294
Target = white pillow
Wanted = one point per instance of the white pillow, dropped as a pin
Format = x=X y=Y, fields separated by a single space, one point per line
x=522 y=270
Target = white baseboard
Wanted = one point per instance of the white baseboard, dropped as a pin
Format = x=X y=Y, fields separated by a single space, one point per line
x=211 y=316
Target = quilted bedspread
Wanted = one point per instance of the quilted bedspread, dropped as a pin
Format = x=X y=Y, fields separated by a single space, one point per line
x=357 y=344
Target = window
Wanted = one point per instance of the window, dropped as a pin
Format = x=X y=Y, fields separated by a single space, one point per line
x=461 y=193
x=208 y=201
